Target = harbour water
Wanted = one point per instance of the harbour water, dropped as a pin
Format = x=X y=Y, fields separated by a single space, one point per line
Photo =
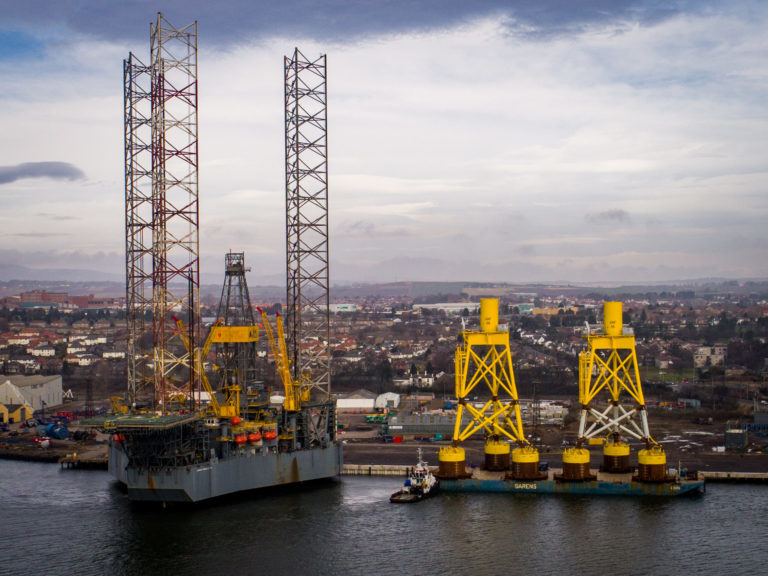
x=80 y=522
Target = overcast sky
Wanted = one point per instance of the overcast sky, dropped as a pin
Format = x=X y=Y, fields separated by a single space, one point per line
x=508 y=141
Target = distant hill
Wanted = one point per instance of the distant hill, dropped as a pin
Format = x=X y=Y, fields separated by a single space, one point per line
x=435 y=291
x=26 y=274
x=424 y=291
x=100 y=289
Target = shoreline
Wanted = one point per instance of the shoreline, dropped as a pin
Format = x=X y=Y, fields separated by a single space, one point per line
x=399 y=470
x=376 y=459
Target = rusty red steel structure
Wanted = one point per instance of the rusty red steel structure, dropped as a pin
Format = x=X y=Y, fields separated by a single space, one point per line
x=162 y=172
x=306 y=197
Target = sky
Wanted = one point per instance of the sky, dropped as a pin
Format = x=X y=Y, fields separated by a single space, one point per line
x=549 y=141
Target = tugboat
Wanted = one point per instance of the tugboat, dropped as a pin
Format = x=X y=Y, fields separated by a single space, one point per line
x=420 y=484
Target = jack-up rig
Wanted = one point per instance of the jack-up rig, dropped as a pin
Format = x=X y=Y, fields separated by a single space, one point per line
x=180 y=436
x=483 y=360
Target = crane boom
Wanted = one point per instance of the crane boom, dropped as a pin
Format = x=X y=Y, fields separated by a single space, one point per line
x=197 y=357
x=218 y=333
x=295 y=391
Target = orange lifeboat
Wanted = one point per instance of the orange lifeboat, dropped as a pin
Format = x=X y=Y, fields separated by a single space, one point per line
x=236 y=421
x=240 y=439
x=254 y=437
x=270 y=435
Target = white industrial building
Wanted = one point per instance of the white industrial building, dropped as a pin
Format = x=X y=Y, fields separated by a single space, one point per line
x=388 y=400
x=359 y=401
x=355 y=404
x=36 y=391
x=343 y=307
x=450 y=307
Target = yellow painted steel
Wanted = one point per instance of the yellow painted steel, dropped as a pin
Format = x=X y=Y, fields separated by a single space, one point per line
x=616 y=449
x=497 y=447
x=227 y=410
x=117 y=406
x=525 y=454
x=452 y=454
x=613 y=318
x=619 y=371
x=575 y=456
x=489 y=314
x=233 y=334
x=654 y=455
x=296 y=391
x=610 y=367
x=484 y=360
x=231 y=406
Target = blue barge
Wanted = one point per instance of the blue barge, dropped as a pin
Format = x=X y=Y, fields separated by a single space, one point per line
x=604 y=485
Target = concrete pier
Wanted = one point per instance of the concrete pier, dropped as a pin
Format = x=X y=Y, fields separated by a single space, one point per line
x=375 y=470
x=85 y=462
x=735 y=477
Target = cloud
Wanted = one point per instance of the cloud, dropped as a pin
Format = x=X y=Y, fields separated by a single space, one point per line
x=54 y=170
x=58 y=217
x=549 y=18
x=37 y=234
x=367 y=229
x=17 y=44
x=615 y=215
x=481 y=132
x=397 y=210
x=350 y=22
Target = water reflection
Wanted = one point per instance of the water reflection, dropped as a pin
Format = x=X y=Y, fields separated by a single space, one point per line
x=81 y=522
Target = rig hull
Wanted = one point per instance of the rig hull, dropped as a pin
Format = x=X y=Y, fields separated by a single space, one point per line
x=249 y=470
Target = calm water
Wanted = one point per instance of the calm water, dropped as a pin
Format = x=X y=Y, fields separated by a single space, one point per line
x=78 y=522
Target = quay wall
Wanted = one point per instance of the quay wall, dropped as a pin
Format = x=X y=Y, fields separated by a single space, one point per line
x=735 y=477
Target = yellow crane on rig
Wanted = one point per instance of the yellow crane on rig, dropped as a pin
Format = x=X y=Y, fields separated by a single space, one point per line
x=218 y=333
x=296 y=391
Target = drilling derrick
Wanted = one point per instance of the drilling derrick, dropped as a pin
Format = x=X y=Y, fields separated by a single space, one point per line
x=236 y=360
x=484 y=360
x=609 y=368
x=175 y=241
